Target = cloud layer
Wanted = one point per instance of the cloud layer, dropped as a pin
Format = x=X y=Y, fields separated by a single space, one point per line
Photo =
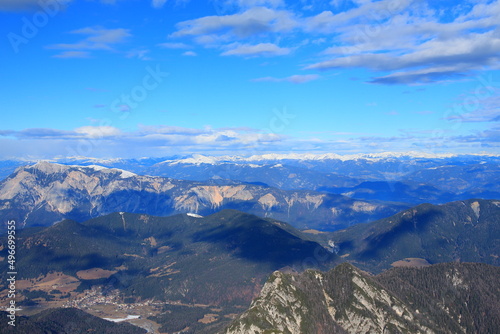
x=35 y=5
x=401 y=42
x=97 y=38
x=297 y=79
x=111 y=142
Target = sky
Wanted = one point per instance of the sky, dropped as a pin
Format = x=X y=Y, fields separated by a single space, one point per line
x=154 y=78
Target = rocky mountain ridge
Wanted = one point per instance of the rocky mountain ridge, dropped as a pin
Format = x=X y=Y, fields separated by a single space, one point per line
x=446 y=298
x=412 y=177
x=45 y=193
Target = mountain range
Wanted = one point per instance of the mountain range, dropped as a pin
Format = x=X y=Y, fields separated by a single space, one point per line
x=290 y=243
x=186 y=268
x=410 y=177
x=44 y=193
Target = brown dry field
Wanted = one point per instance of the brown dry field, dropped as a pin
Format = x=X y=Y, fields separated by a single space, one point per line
x=95 y=273
x=411 y=262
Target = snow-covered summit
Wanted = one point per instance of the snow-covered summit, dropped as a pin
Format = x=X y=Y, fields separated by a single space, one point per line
x=195 y=159
x=198 y=159
x=51 y=168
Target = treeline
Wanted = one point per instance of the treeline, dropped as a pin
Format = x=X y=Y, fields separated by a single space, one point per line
x=454 y=295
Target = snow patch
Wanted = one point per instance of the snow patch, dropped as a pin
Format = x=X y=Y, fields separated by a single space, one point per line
x=195 y=215
x=129 y=317
x=125 y=174
x=51 y=167
x=94 y=167
x=196 y=159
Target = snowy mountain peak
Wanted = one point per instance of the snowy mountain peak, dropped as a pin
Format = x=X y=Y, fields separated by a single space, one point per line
x=124 y=173
x=52 y=168
x=48 y=167
x=195 y=159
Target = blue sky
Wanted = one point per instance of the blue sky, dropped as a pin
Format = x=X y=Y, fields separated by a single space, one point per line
x=134 y=78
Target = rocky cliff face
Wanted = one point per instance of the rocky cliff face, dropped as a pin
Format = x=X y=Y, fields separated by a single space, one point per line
x=341 y=301
x=347 y=300
x=46 y=193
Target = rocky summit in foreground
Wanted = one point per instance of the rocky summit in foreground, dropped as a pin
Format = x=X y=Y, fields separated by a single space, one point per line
x=444 y=298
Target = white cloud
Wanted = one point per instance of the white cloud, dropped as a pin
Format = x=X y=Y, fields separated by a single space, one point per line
x=406 y=41
x=29 y=5
x=480 y=105
x=79 y=133
x=158 y=3
x=139 y=54
x=147 y=140
x=33 y=5
x=108 y=141
x=98 y=131
x=423 y=76
x=253 y=21
x=168 y=129
x=329 y=22
x=262 y=49
x=293 y=79
x=225 y=6
x=98 y=38
x=413 y=44
x=174 y=45
x=73 y=54
x=190 y=53
x=253 y=3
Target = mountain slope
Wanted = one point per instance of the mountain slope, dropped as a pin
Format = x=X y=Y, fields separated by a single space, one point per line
x=218 y=260
x=178 y=268
x=466 y=231
x=407 y=192
x=273 y=174
x=410 y=177
x=66 y=321
x=46 y=193
x=458 y=297
x=446 y=298
x=472 y=178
